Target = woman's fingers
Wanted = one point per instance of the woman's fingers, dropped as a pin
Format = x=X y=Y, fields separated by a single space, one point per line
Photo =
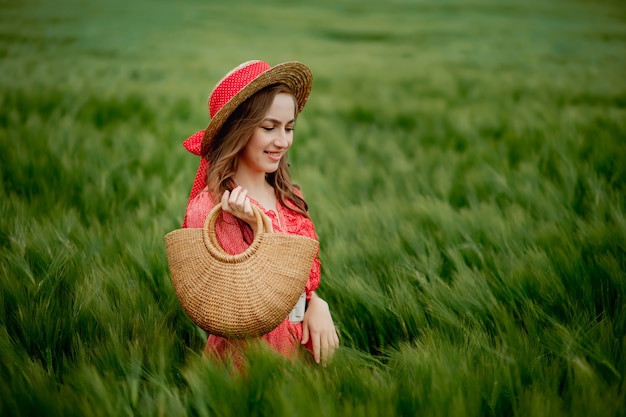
x=247 y=208
x=243 y=203
x=315 y=344
x=232 y=201
x=305 y=332
x=237 y=197
x=225 y=198
x=319 y=330
x=332 y=343
x=323 y=343
x=237 y=203
x=324 y=349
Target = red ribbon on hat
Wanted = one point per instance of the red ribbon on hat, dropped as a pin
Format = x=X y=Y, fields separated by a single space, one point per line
x=193 y=144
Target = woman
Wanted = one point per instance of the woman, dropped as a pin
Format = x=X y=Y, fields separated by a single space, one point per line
x=244 y=162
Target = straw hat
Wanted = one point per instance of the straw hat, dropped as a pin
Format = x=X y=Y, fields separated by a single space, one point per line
x=248 y=78
x=243 y=295
x=235 y=88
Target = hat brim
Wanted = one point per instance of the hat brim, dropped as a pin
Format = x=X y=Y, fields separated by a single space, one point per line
x=295 y=75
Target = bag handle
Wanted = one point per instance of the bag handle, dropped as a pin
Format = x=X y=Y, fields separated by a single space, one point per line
x=212 y=244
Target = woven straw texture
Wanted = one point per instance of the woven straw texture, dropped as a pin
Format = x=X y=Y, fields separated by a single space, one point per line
x=243 y=295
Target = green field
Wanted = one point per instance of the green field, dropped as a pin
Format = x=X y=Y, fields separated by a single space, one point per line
x=464 y=162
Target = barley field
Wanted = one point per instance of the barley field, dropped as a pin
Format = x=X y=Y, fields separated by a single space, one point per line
x=464 y=162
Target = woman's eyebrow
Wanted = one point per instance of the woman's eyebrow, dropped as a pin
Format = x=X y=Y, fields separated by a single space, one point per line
x=270 y=119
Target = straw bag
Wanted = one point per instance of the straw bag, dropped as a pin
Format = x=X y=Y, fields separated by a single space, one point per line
x=243 y=295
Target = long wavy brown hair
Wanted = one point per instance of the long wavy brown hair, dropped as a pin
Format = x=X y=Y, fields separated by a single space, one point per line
x=222 y=151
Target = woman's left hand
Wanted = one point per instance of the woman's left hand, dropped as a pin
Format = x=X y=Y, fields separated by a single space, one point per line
x=318 y=327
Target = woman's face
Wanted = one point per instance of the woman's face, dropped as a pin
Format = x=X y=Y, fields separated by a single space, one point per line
x=271 y=138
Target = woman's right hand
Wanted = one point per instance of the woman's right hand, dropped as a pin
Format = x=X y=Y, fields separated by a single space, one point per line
x=237 y=203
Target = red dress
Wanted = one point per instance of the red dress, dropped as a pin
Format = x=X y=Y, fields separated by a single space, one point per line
x=235 y=239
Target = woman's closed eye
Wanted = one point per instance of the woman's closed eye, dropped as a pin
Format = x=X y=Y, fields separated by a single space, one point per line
x=270 y=128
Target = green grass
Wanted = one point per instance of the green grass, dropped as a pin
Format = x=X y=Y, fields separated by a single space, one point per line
x=464 y=162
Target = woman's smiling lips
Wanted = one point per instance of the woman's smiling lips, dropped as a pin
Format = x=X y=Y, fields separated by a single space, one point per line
x=275 y=156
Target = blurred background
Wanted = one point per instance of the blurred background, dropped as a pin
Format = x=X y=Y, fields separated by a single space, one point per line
x=464 y=163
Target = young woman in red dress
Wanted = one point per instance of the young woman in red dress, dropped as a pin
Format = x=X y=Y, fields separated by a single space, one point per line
x=243 y=163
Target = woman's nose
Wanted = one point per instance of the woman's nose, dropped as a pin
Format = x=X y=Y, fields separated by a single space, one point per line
x=282 y=138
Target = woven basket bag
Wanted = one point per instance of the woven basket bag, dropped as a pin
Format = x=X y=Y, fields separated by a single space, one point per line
x=243 y=295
